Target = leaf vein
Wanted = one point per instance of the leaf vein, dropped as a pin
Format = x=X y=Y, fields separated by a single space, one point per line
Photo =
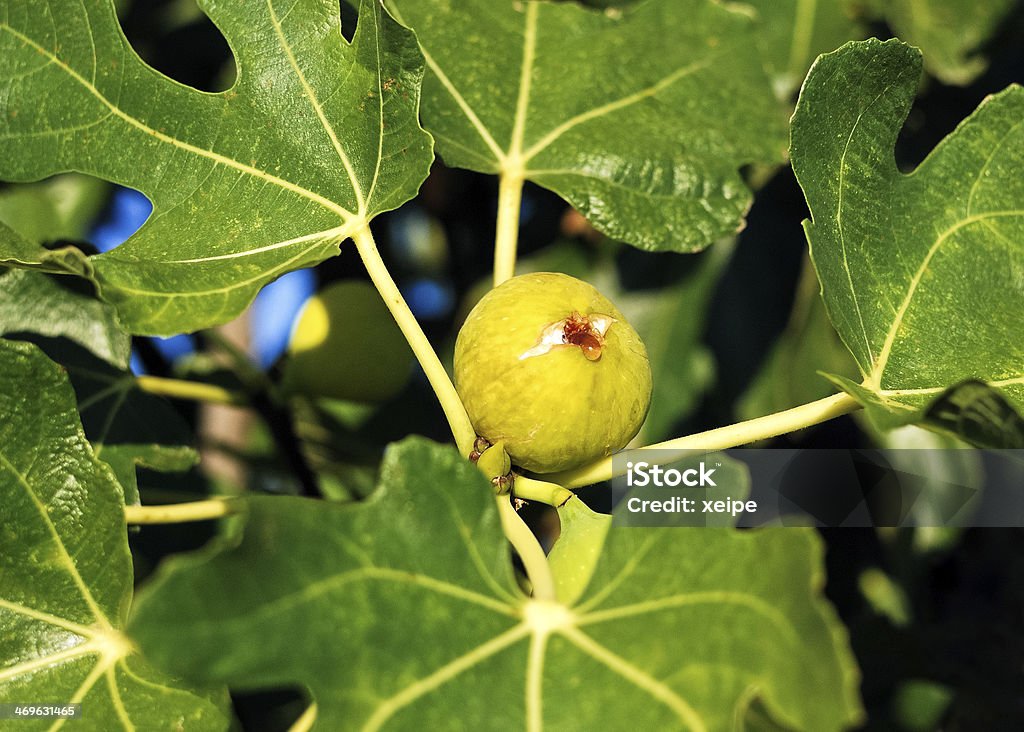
x=181 y=144
x=66 y=560
x=444 y=674
x=641 y=679
x=616 y=105
x=310 y=95
x=713 y=597
x=467 y=110
x=842 y=232
x=890 y=338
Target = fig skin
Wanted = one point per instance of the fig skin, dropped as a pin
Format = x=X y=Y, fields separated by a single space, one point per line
x=558 y=408
x=345 y=345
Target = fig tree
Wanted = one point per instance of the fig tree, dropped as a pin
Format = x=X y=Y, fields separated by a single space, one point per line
x=549 y=366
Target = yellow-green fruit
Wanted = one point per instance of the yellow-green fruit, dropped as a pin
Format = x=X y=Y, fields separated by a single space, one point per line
x=346 y=345
x=548 y=365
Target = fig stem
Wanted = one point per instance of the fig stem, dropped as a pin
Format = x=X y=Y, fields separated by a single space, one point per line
x=535 y=562
x=177 y=513
x=193 y=390
x=506 y=237
x=442 y=385
x=722 y=438
x=531 y=489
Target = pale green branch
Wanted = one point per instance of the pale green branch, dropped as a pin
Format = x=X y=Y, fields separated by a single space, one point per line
x=458 y=420
x=506 y=237
x=306 y=721
x=531 y=489
x=741 y=433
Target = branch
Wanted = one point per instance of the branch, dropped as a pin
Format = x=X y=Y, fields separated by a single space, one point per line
x=531 y=489
x=306 y=721
x=734 y=435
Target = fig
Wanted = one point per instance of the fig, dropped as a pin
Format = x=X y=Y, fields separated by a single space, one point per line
x=345 y=345
x=549 y=367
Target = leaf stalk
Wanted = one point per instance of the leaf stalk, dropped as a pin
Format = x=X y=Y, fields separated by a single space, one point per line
x=506 y=237
x=192 y=390
x=535 y=562
x=179 y=513
x=531 y=489
x=455 y=412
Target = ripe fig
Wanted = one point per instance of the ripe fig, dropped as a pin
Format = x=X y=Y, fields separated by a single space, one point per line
x=550 y=367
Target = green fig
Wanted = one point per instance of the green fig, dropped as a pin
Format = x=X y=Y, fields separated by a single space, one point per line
x=548 y=366
x=345 y=345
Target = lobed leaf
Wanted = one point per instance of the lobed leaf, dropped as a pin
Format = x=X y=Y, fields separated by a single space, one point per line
x=65 y=568
x=401 y=613
x=922 y=273
x=639 y=117
x=315 y=138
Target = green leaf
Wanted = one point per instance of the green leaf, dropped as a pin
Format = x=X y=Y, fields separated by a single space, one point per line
x=401 y=613
x=33 y=302
x=17 y=251
x=791 y=34
x=979 y=413
x=316 y=137
x=921 y=273
x=65 y=569
x=716 y=618
x=577 y=550
x=128 y=428
x=950 y=32
x=638 y=117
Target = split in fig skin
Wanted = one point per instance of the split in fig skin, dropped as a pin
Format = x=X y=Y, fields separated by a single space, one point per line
x=584 y=331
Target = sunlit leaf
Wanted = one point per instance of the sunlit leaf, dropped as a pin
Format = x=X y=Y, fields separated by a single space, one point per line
x=922 y=274
x=315 y=138
x=639 y=117
x=401 y=613
x=65 y=570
